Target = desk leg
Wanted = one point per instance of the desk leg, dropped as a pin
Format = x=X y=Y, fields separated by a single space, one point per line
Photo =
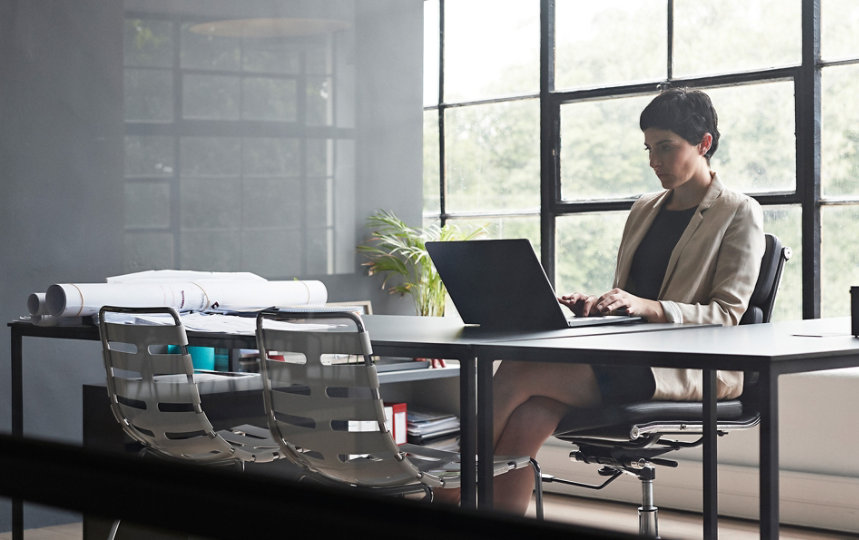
x=485 y=448
x=468 y=431
x=17 y=383
x=769 y=458
x=710 y=464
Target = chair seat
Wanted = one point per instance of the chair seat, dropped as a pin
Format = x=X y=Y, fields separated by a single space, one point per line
x=446 y=466
x=631 y=421
x=252 y=444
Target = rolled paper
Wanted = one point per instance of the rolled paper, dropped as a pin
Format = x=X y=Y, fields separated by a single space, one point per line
x=36 y=304
x=85 y=299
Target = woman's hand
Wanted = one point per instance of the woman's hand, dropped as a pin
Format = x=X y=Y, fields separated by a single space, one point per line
x=620 y=300
x=582 y=305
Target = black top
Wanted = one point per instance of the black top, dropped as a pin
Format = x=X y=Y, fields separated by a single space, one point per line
x=651 y=257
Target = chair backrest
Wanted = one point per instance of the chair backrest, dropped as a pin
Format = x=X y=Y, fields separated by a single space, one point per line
x=763 y=298
x=322 y=398
x=150 y=383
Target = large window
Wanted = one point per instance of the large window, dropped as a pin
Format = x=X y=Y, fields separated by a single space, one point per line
x=236 y=131
x=531 y=124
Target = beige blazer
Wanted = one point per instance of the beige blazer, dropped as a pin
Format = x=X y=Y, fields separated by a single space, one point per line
x=710 y=276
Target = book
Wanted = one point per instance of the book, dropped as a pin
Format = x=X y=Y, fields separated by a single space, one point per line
x=425 y=425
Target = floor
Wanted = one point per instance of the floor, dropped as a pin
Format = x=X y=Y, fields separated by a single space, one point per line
x=672 y=524
x=619 y=517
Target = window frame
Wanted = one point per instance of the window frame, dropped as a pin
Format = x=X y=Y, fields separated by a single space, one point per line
x=807 y=195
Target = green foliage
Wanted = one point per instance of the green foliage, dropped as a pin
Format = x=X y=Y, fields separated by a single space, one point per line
x=398 y=252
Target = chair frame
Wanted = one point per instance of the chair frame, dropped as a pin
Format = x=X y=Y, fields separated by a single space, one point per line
x=154 y=398
x=380 y=465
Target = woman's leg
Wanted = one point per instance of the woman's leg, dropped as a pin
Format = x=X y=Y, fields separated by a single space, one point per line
x=529 y=401
x=573 y=385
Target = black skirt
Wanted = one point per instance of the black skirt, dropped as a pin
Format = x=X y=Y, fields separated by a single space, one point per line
x=624 y=384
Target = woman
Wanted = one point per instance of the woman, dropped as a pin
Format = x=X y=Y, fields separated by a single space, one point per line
x=688 y=254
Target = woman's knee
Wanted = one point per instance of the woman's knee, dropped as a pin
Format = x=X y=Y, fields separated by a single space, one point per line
x=532 y=422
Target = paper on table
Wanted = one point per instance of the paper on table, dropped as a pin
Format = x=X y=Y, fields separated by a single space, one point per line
x=84 y=299
x=181 y=275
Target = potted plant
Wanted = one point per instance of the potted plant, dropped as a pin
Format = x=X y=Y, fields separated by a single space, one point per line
x=398 y=252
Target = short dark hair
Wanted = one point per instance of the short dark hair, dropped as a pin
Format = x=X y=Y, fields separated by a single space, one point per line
x=688 y=113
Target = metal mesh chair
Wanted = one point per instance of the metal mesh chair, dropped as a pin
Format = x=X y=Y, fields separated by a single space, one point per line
x=323 y=404
x=628 y=439
x=154 y=398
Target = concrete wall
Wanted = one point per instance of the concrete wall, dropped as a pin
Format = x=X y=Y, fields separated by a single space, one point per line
x=61 y=164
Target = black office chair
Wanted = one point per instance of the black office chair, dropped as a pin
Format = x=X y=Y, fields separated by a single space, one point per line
x=629 y=439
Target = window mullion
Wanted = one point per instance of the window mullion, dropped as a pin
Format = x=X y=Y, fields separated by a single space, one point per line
x=549 y=139
x=808 y=115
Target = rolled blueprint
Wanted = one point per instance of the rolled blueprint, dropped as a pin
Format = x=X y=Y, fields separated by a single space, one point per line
x=36 y=304
x=84 y=299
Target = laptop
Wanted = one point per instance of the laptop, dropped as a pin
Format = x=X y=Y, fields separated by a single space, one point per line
x=500 y=284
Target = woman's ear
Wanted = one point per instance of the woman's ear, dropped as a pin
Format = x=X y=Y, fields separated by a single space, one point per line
x=705 y=144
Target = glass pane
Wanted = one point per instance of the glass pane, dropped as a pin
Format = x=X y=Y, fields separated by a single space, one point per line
x=269 y=203
x=839 y=265
x=839 y=132
x=211 y=156
x=271 y=56
x=264 y=156
x=602 y=150
x=431 y=163
x=206 y=51
x=785 y=222
x=586 y=251
x=431 y=45
x=148 y=95
x=493 y=157
x=269 y=99
x=210 y=97
x=838 y=22
x=609 y=42
x=491 y=48
x=149 y=156
x=209 y=203
x=147 y=204
x=504 y=227
x=148 y=43
x=214 y=250
x=757 y=148
x=719 y=36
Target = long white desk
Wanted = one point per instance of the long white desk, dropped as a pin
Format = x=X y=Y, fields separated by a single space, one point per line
x=770 y=349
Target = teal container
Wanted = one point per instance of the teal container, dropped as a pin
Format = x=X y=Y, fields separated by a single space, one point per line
x=201 y=357
x=222 y=359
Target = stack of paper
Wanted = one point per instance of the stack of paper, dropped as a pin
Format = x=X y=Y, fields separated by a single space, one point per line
x=438 y=430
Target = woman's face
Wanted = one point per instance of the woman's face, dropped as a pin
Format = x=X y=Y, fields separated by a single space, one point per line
x=672 y=158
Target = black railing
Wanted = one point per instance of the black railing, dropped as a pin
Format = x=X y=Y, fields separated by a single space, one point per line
x=181 y=497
